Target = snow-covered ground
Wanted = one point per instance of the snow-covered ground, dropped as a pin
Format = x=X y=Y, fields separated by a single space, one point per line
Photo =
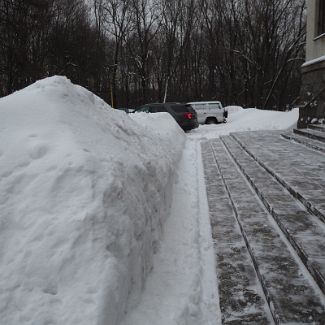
x=104 y=216
x=249 y=119
x=182 y=287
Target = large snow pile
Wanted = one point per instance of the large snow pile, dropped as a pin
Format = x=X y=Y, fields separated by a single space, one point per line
x=249 y=119
x=85 y=191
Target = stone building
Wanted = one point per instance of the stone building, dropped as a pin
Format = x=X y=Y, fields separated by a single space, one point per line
x=313 y=70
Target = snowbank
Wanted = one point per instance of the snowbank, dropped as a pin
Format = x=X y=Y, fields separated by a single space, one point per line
x=249 y=119
x=182 y=288
x=85 y=191
x=233 y=109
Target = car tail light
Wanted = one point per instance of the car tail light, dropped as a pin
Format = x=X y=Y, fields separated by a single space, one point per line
x=188 y=116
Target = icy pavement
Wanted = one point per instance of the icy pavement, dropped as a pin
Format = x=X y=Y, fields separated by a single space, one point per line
x=300 y=169
x=269 y=245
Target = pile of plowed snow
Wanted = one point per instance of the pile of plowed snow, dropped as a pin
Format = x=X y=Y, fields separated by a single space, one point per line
x=249 y=119
x=85 y=191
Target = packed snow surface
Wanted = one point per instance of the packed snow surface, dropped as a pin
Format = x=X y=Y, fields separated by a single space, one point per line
x=182 y=288
x=85 y=191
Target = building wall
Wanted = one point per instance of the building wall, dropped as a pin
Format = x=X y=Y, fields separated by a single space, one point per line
x=315 y=45
x=313 y=80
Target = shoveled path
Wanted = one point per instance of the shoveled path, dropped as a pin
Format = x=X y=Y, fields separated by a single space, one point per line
x=265 y=199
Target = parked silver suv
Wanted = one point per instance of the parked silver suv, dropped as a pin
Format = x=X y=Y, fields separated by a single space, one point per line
x=209 y=112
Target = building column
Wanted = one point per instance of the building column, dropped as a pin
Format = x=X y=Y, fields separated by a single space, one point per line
x=313 y=94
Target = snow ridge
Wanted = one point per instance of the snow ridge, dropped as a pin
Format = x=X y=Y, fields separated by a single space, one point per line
x=85 y=191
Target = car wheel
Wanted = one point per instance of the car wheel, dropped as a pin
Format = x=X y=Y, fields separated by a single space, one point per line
x=211 y=120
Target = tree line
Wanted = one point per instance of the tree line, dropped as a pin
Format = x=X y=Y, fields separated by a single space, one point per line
x=131 y=52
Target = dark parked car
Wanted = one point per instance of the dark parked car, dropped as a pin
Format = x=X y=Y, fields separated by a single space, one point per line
x=184 y=114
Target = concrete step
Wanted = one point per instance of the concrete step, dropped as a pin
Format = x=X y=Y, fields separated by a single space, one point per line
x=313 y=134
x=318 y=127
x=301 y=172
x=242 y=300
x=290 y=293
x=305 y=231
x=308 y=142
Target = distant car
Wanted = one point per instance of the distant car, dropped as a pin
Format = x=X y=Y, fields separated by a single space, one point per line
x=184 y=114
x=209 y=112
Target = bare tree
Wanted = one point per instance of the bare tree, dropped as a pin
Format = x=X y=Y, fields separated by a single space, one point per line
x=114 y=17
x=146 y=20
x=129 y=52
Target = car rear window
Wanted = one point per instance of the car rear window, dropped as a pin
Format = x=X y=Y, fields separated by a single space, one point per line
x=158 y=108
x=181 y=108
x=143 y=109
x=200 y=107
x=214 y=106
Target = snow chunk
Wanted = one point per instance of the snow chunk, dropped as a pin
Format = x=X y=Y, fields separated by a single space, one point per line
x=85 y=191
x=314 y=61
